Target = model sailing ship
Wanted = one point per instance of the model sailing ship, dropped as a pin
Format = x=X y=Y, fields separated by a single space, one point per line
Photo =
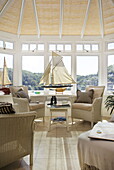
x=4 y=79
x=56 y=75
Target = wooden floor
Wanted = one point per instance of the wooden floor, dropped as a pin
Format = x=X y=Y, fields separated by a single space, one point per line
x=54 y=150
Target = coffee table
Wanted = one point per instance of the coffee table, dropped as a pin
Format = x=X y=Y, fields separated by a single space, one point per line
x=59 y=108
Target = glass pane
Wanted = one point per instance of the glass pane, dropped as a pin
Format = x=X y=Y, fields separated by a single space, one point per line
x=110 y=46
x=87 y=71
x=33 y=69
x=60 y=47
x=110 y=71
x=79 y=47
x=52 y=47
x=87 y=47
x=9 y=64
x=94 y=47
x=41 y=47
x=67 y=47
x=9 y=45
x=32 y=47
x=67 y=63
x=25 y=47
x=1 y=44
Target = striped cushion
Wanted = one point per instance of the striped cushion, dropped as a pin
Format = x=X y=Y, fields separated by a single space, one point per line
x=6 y=108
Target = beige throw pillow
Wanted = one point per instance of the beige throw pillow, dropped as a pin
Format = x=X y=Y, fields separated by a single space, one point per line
x=85 y=97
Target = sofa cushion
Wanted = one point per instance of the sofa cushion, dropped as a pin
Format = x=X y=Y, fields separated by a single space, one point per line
x=35 y=106
x=82 y=106
x=85 y=97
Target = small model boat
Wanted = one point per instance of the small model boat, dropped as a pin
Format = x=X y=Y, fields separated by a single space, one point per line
x=4 y=79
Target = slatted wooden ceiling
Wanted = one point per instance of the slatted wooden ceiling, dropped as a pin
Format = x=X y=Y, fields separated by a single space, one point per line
x=55 y=17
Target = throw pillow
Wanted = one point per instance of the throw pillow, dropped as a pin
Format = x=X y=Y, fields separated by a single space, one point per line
x=85 y=97
x=6 y=108
x=21 y=94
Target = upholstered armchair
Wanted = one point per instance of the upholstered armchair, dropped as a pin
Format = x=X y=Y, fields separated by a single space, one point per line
x=89 y=111
x=25 y=105
x=16 y=137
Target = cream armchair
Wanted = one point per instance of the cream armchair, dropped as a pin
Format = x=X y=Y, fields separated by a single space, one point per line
x=16 y=137
x=25 y=105
x=86 y=111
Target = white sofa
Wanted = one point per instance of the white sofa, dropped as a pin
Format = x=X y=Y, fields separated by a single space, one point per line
x=16 y=137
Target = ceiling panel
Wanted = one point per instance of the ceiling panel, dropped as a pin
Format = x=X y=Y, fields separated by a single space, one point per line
x=9 y=21
x=48 y=12
x=28 y=19
x=93 y=21
x=73 y=17
x=108 y=15
x=49 y=16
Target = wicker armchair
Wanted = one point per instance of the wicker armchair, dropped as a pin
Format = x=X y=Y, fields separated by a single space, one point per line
x=16 y=137
x=25 y=105
x=89 y=112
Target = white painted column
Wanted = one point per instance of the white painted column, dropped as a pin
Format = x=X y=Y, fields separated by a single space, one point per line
x=103 y=66
x=17 y=72
x=73 y=68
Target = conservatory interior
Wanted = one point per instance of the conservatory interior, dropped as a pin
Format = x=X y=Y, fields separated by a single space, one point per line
x=81 y=35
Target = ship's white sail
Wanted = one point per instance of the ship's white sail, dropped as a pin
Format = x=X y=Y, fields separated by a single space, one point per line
x=4 y=79
x=56 y=72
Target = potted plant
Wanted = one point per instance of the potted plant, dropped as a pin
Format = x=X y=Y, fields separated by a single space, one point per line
x=109 y=103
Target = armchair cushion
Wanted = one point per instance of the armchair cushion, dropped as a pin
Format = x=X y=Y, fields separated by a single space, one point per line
x=85 y=97
x=82 y=106
x=34 y=106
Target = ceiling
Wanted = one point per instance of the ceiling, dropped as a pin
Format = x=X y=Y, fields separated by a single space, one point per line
x=57 y=17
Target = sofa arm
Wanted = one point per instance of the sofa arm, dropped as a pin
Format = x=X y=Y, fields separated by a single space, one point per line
x=23 y=104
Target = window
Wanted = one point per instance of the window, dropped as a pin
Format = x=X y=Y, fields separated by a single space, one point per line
x=110 y=46
x=79 y=47
x=32 y=70
x=52 y=47
x=95 y=47
x=110 y=71
x=87 y=71
x=67 y=63
x=86 y=47
x=67 y=47
x=32 y=47
x=9 y=63
x=8 y=45
x=25 y=47
x=40 y=47
x=60 y=47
